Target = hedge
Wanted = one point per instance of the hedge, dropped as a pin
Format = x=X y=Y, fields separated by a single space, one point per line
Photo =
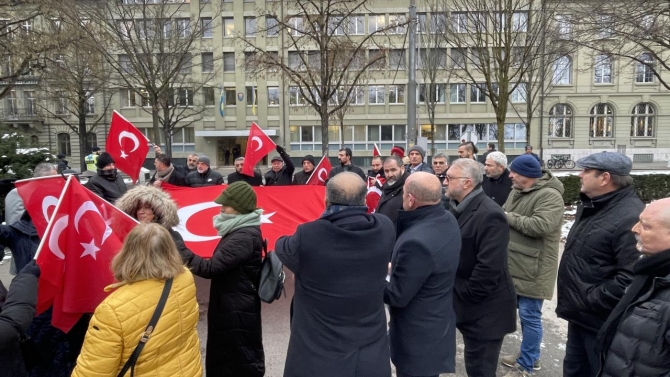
x=648 y=187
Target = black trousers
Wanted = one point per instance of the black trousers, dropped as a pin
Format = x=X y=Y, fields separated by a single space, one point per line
x=481 y=356
x=581 y=359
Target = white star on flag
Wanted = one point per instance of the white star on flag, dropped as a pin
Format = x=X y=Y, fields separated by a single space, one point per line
x=89 y=249
x=265 y=218
x=123 y=154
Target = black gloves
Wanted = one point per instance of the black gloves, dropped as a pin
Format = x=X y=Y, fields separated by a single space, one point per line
x=31 y=268
x=280 y=150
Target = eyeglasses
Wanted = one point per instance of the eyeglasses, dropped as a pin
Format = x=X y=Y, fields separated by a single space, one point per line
x=448 y=178
x=439 y=163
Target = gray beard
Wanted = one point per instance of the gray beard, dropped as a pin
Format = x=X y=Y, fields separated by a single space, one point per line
x=391 y=182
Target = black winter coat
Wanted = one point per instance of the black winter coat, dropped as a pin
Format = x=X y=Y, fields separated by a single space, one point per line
x=283 y=177
x=484 y=296
x=641 y=345
x=106 y=189
x=300 y=178
x=16 y=314
x=208 y=178
x=184 y=170
x=499 y=188
x=352 y=168
x=420 y=293
x=598 y=258
x=339 y=324
x=234 y=333
x=176 y=179
x=21 y=238
x=256 y=180
x=424 y=167
x=391 y=200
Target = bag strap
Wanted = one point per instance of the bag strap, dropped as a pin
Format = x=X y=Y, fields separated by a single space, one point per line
x=147 y=332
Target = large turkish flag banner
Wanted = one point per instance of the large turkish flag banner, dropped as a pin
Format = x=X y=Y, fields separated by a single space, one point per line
x=320 y=173
x=258 y=146
x=40 y=197
x=127 y=145
x=284 y=208
x=75 y=254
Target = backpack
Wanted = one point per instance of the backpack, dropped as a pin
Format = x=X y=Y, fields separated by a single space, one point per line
x=271 y=277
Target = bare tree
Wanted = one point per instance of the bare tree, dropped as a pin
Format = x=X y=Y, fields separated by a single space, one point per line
x=153 y=49
x=328 y=50
x=492 y=42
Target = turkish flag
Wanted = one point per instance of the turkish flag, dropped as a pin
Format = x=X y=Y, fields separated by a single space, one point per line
x=320 y=173
x=40 y=197
x=284 y=208
x=127 y=145
x=376 y=151
x=258 y=146
x=374 y=192
x=74 y=255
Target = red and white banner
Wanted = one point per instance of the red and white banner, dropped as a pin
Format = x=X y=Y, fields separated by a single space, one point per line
x=258 y=146
x=320 y=173
x=84 y=234
x=40 y=198
x=127 y=145
x=376 y=151
x=374 y=192
x=284 y=208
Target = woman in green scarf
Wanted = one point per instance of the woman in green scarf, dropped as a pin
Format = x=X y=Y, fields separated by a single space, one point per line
x=234 y=335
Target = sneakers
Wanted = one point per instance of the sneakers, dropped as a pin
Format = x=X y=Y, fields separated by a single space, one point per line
x=517 y=371
x=510 y=361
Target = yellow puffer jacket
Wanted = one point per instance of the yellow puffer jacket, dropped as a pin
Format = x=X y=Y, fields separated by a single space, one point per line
x=120 y=320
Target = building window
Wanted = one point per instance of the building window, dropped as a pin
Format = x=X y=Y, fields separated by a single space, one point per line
x=376 y=22
x=64 y=146
x=602 y=121
x=519 y=94
x=606 y=26
x=30 y=102
x=207 y=31
x=271 y=26
x=436 y=95
x=89 y=105
x=421 y=22
x=127 y=98
x=376 y=94
x=126 y=64
x=185 y=97
x=457 y=93
x=477 y=94
x=144 y=98
x=644 y=68
x=603 y=69
x=396 y=24
x=295 y=25
x=207 y=61
x=185 y=64
x=228 y=62
x=273 y=96
x=459 y=22
x=250 y=62
x=563 y=26
x=356 y=25
x=396 y=94
x=457 y=56
x=295 y=61
x=642 y=121
x=250 y=26
x=61 y=103
x=520 y=22
x=183 y=27
x=562 y=71
x=294 y=96
x=389 y=133
x=183 y=140
x=560 y=121
x=357 y=96
x=230 y=96
x=379 y=59
x=11 y=103
x=252 y=99
x=228 y=27
x=515 y=135
x=208 y=96
x=397 y=59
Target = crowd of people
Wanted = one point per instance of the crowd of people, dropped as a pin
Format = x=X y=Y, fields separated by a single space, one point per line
x=469 y=245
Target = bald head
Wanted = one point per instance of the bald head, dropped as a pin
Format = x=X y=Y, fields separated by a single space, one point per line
x=652 y=232
x=347 y=189
x=660 y=209
x=421 y=189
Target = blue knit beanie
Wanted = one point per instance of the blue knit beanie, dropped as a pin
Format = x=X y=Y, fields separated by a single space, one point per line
x=527 y=166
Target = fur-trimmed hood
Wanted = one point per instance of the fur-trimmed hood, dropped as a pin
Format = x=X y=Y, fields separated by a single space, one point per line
x=165 y=209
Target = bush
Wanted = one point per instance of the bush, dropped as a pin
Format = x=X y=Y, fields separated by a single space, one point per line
x=648 y=187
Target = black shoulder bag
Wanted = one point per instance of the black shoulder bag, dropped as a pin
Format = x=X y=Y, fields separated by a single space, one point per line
x=130 y=364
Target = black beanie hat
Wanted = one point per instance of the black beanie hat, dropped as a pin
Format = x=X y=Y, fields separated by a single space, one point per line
x=309 y=158
x=104 y=159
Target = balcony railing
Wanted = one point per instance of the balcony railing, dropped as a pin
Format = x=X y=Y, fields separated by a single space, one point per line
x=19 y=114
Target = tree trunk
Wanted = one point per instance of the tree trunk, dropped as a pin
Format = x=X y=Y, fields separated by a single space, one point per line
x=156 y=126
x=324 y=128
x=82 y=134
x=167 y=131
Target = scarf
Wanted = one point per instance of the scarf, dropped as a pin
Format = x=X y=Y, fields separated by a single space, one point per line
x=109 y=174
x=646 y=269
x=459 y=207
x=164 y=176
x=336 y=208
x=225 y=223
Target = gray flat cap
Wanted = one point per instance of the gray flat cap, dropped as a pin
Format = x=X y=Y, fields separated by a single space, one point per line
x=611 y=162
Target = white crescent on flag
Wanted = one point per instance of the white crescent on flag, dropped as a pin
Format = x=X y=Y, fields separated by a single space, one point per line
x=259 y=141
x=323 y=177
x=131 y=136
x=185 y=213
x=89 y=206
x=48 y=202
x=59 y=225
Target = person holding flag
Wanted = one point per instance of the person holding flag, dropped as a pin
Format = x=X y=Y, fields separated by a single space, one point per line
x=301 y=177
x=107 y=183
x=282 y=170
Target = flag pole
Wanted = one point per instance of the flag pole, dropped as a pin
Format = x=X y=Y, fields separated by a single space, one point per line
x=314 y=171
x=51 y=218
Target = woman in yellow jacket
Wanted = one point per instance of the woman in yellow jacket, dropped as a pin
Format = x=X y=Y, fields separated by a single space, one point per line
x=148 y=257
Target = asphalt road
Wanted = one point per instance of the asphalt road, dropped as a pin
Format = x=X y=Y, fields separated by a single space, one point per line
x=276 y=332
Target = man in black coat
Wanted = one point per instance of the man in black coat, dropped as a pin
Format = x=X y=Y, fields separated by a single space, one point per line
x=301 y=177
x=256 y=180
x=484 y=296
x=106 y=183
x=496 y=184
x=345 y=155
x=166 y=172
x=282 y=170
x=391 y=200
x=338 y=327
x=597 y=262
x=420 y=290
x=204 y=175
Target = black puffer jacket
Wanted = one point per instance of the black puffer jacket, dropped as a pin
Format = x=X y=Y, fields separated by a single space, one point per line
x=106 y=189
x=208 y=178
x=300 y=178
x=284 y=176
x=21 y=238
x=16 y=314
x=641 y=345
x=598 y=258
x=234 y=336
x=391 y=201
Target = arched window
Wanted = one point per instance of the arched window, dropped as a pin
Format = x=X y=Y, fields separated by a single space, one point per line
x=91 y=141
x=645 y=68
x=562 y=71
x=602 y=121
x=34 y=141
x=64 y=143
x=603 y=69
x=642 y=121
x=560 y=120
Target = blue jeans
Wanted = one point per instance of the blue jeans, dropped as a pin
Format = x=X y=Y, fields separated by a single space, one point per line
x=530 y=315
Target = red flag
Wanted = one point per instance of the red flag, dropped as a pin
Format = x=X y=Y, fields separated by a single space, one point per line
x=40 y=197
x=74 y=255
x=376 y=151
x=127 y=145
x=284 y=208
x=374 y=192
x=320 y=173
x=258 y=146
